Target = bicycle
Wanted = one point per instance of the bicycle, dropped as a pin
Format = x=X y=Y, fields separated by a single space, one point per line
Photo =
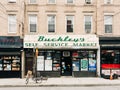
x=36 y=79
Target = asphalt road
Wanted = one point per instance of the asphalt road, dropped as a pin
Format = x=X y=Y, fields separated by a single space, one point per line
x=63 y=88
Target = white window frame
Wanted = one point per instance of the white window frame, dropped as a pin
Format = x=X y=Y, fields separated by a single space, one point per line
x=69 y=3
x=88 y=1
x=13 y=22
x=91 y=23
x=108 y=1
x=48 y=24
x=109 y=22
x=51 y=2
x=35 y=22
x=12 y=1
x=72 y=23
x=32 y=2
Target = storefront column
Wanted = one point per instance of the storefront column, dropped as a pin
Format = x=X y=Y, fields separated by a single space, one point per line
x=22 y=64
x=98 y=62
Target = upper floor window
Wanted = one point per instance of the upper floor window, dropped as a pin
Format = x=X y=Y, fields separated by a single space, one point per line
x=33 y=23
x=51 y=1
x=12 y=27
x=107 y=1
x=12 y=1
x=108 y=23
x=51 y=23
x=69 y=1
x=88 y=23
x=32 y=1
x=69 y=23
x=88 y=1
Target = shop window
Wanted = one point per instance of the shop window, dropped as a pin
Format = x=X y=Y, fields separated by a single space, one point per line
x=48 y=61
x=84 y=60
x=110 y=62
x=110 y=57
x=10 y=63
x=66 y=54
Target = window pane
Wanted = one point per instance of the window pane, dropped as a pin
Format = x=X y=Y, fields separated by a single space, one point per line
x=108 y=28
x=88 y=1
x=108 y=19
x=32 y=1
x=12 y=23
x=69 y=23
x=107 y=1
x=69 y=1
x=51 y=1
x=12 y=0
x=51 y=28
x=110 y=56
x=33 y=23
x=32 y=27
x=51 y=23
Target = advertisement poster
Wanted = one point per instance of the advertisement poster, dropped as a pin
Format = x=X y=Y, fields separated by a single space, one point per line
x=76 y=66
x=40 y=63
x=92 y=65
x=84 y=65
x=48 y=65
x=107 y=71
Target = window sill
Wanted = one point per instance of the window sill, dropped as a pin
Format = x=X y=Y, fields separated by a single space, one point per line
x=88 y=4
x=69 y=4
x=35 y=4
x=108 y=5
x=51 y=3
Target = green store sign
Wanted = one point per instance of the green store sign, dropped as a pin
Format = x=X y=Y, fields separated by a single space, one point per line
x=60 y=41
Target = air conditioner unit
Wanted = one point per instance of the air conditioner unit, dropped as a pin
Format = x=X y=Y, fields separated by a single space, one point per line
x=11 y=1
x=108 y=2
x=88 y=1
x=87 y=30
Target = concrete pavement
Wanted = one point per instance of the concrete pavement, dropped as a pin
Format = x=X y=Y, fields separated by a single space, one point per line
x=62 y=81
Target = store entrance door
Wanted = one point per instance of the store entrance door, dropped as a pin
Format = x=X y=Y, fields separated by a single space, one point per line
x=66 y=66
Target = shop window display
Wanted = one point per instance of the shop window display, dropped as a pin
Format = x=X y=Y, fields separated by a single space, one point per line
x=48 y=61
x=84 y=60
x=9 y=63
x=110 y=62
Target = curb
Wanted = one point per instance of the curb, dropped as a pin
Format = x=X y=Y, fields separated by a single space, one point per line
x=67 y=85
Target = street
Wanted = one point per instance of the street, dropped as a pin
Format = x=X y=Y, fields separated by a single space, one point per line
x=63 y=88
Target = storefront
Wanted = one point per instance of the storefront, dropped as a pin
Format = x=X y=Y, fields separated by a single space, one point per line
x=10 y=56
x=63 y=55
x=110 y=55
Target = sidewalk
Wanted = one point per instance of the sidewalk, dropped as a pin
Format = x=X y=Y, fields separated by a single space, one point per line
x=62 y=81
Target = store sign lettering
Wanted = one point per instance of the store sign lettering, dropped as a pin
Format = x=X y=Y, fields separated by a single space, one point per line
x=62 y=41
x=65 y=39
x=31 y=44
